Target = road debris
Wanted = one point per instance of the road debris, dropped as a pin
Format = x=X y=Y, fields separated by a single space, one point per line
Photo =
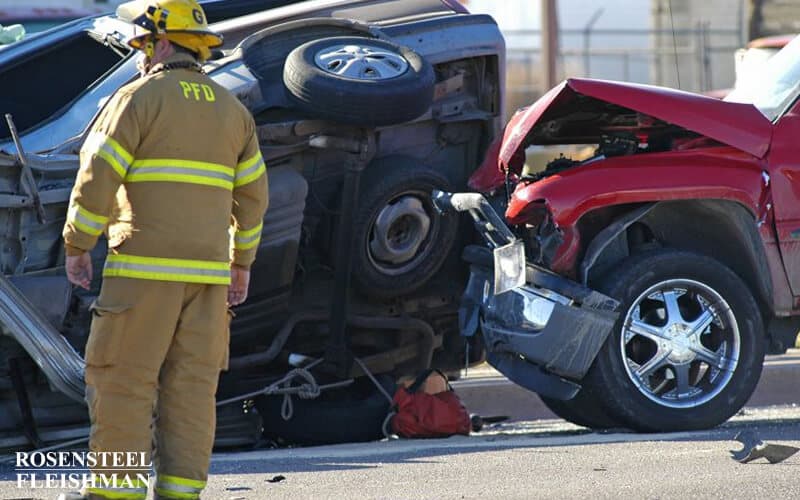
x=754 y=448
x=478 y=421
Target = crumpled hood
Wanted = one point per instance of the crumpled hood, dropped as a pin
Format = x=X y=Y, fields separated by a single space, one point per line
x=738 y=125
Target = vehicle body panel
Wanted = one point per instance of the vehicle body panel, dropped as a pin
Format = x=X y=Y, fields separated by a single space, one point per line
x=717 y=173
x=784 y=168
x=771 y=42
x=738 y=125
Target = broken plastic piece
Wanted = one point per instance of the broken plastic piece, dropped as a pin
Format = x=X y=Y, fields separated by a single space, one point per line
x=478 y=421
x=754 y=448
x=11 y=34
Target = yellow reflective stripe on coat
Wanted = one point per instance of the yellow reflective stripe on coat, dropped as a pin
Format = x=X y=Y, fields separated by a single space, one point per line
x=111 y=151
x=86 y=221
x=245 y=240
x=186 y=171
x=179 y=487
x=161 y=269
x=250 y=170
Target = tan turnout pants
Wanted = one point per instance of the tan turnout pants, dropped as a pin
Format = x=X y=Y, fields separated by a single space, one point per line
x=155 y=350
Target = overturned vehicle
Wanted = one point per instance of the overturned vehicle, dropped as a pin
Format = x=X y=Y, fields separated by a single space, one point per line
x=661 y=266
x=363 y=108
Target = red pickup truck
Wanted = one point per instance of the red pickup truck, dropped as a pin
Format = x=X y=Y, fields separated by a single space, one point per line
x=661 y=268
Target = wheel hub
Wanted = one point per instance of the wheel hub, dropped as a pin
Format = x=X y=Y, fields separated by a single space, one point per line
x=361 y=62
x=681 y=343
x=399 y=231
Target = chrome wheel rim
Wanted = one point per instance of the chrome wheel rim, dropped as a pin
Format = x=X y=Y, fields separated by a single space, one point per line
x=399 y=236
x=680 y=343
x=361 y=62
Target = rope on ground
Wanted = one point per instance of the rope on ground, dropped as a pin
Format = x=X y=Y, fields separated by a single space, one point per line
x=309 y=389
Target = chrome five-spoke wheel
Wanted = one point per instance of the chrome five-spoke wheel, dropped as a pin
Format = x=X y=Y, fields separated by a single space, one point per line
x=680 y=343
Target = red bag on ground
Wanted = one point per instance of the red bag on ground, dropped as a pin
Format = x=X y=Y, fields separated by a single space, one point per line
x=423 y=415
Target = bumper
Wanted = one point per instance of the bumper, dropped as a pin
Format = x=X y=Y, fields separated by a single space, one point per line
x=543 y=335
x=552 y=322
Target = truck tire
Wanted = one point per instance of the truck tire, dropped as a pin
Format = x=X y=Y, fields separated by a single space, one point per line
x=584 y=409
x=359 y=80
x=401 y=240
x=687 y=350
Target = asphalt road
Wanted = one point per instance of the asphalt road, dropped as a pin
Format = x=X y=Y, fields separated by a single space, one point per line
x=525 y=459
x=486 y=392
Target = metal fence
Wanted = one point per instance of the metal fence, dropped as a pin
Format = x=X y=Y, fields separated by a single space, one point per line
x=698 y=59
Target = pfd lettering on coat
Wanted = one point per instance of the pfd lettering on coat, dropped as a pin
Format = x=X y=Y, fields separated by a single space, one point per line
x=194 y=90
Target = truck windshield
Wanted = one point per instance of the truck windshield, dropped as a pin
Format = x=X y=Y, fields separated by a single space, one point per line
x=777 y=86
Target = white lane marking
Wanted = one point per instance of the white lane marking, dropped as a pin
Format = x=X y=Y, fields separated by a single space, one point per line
x=382 y=448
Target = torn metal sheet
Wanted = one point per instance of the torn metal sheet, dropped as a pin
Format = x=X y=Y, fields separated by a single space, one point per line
x=754 y=448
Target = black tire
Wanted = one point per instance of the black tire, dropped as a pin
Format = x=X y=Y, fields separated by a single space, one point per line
x=585 y=409
x=359 y=101
x=352 y=414
x=385 y=184
x=609 y=379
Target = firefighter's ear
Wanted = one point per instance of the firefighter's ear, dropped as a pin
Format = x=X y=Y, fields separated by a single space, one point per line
x=162 y=50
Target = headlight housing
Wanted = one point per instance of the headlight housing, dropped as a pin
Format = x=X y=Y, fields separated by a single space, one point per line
x=509 y=267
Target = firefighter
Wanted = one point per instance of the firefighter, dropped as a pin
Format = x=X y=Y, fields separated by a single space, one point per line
x=172 y=172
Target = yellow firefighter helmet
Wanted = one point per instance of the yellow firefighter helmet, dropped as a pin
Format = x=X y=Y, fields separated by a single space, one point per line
x=182 y=22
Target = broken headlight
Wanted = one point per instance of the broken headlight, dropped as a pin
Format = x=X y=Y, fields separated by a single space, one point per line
x=509 y=267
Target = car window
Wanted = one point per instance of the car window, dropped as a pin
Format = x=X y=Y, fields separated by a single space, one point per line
x=37 y=25
x=39 y=85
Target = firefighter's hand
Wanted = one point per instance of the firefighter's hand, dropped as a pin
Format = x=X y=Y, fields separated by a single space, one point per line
x=240 y=281
x=79 y=270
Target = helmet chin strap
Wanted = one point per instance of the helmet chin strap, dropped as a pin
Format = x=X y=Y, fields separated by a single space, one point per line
x=149 y=47
x=148 y=50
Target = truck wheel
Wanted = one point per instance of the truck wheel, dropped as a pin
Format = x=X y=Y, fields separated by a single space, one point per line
x=401 y=240
x=585 y=409
x=359 y=80
x=687 y=350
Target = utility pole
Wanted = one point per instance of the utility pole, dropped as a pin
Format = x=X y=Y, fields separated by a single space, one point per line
x=756 y=24
x=549 y=42
x=587 y=44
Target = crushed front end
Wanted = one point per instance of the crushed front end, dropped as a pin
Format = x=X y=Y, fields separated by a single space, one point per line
x=540 y=330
